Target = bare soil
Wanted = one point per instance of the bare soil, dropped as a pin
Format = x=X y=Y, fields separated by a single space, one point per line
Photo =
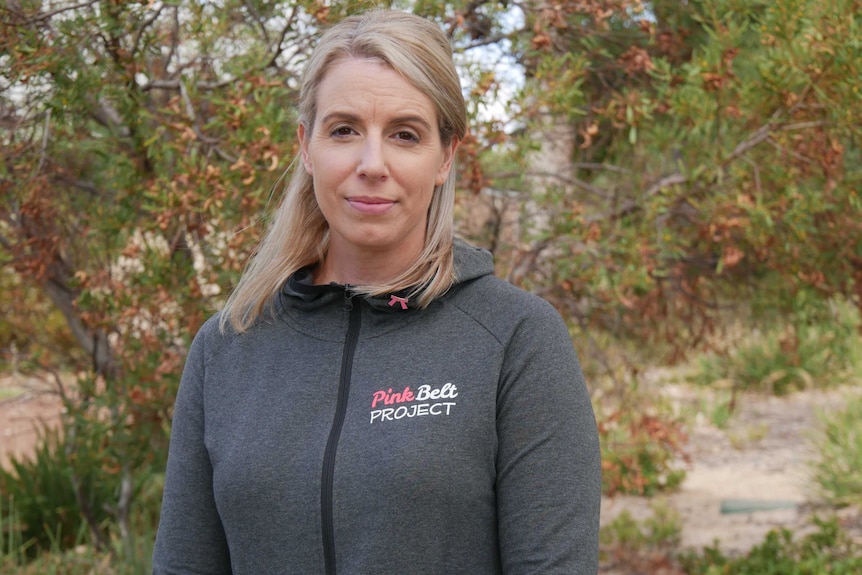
x=26 y=407
x=761 y=457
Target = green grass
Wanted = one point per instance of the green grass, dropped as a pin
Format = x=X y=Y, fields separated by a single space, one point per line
x=40 y=490
x=807 y=348
x=84 y=560
x=9 y=393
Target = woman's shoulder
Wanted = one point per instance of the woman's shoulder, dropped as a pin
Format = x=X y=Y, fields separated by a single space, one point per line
x=479 y=289
x=501 y=306
x=213 y=337
x=218 y=334
x=497 y=294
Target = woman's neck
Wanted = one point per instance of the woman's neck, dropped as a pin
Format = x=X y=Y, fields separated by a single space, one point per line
x=363 y=268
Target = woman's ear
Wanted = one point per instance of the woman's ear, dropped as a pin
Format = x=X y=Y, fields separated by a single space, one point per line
x=449 y=151
x=303 y=149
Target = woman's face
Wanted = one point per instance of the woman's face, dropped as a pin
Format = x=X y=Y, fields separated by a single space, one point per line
x=375 y=155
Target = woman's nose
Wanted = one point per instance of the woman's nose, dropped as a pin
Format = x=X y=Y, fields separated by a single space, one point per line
x=372 y=161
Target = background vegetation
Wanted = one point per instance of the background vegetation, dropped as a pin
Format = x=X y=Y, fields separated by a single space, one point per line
x=669 y=174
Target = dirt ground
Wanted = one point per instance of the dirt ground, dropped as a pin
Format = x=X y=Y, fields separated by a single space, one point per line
x=26 y=407
x=760 y=456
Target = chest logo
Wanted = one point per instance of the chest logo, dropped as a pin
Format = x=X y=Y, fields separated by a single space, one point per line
x=387 y=405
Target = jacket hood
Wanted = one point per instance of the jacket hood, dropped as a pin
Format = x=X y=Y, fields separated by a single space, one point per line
x=471 y=263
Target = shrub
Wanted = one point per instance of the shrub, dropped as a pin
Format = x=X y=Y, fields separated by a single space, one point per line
x=641 y=546
x=42 y=508
x=642 y=448
x=661 y=530
x=837 y=469
x=828 y=550
x=812 y=345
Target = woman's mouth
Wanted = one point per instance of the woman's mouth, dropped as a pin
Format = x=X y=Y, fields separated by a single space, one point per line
x=371 y=206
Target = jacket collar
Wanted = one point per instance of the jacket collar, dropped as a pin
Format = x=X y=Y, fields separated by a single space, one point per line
x=300 y=291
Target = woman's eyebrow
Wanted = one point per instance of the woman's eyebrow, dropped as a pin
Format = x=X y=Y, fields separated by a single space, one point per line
x=411 y=119
x=340 y=116
x=351 y=117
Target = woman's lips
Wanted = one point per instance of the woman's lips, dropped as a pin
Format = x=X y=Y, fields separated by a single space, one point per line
x=371 y=206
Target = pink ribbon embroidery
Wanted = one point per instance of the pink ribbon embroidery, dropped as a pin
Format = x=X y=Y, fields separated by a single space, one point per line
x=395 y=299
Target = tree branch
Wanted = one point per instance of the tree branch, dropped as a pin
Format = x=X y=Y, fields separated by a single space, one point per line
x=52 y=13
x=175 y=84
x=279 y=46
x=632 y=206
x=527 y=261
x=95 y=343
x=143 y=27
x=762 y=134
x=43 y=150
x=259 y=20
x=596 y=166
x=791 y=153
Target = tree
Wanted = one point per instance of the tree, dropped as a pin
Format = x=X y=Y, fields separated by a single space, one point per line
x=139 y=139
x=714 y=157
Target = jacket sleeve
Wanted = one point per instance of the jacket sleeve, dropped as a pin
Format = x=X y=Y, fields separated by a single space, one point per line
x=548 y=458
x=190 y=538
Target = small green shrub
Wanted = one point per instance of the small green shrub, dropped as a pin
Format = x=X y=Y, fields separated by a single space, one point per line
x=837 y=468
x=42 y=509
x=661 y=530
x=813 y=345
x=828 y=550
x=642 y=449
x=628 y=544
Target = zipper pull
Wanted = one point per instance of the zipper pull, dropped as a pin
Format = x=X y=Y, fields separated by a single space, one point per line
x=348 y=298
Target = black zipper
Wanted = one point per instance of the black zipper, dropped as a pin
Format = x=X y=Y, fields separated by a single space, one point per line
x=328 y=473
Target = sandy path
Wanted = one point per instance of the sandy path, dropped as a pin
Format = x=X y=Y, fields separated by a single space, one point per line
x=761 y=455
x=25 y=409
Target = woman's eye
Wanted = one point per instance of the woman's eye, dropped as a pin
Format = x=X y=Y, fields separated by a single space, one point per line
x=406 y=136
x=342 y=131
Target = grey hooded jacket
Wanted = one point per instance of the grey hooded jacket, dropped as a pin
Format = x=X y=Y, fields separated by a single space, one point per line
x=357 y=435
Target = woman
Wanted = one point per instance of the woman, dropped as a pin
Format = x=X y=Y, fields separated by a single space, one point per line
x=372 y=400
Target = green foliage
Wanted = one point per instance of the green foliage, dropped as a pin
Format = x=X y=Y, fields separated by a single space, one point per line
x=828 y=550
x=138 y=140
x=51 y=516
x=84 y=560
x=817 y=343
x=837 y=465
x=42 y=509
x=647 y=546
x=661 y=530
x=642 y=447
x=721 y=409
x=652 y=546
x=23 y=349
x=709 y=151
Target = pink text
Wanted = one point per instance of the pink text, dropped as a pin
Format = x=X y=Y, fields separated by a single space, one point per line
x=389 y=398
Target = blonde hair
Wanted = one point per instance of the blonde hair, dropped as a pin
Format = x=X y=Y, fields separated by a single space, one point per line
x=298 y=235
